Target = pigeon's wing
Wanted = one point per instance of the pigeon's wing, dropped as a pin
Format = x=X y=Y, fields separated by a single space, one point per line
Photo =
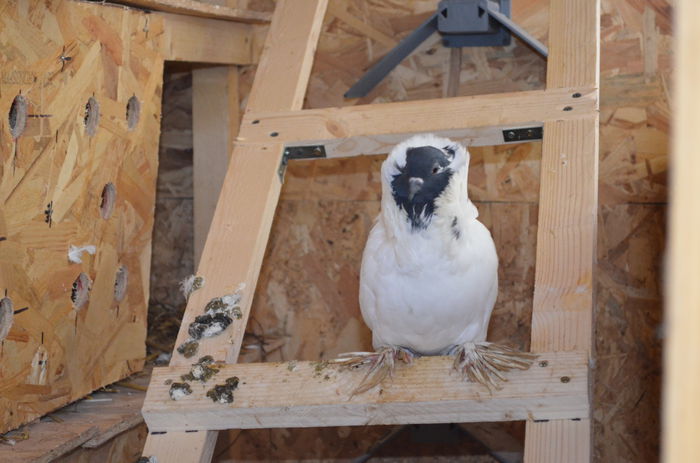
x=369 y=273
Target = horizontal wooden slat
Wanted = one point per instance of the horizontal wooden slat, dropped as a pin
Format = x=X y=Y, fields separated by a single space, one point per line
x=201 y=40
x=201 y=9
x=309 y=394
x=372 y=129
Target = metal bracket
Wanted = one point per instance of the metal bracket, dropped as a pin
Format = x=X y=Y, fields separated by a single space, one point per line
x=462 y=23
x=299 y=152
x=522 y=134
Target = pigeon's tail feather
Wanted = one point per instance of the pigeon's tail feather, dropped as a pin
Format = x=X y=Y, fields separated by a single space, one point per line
x=381 y=365
x=485 y=362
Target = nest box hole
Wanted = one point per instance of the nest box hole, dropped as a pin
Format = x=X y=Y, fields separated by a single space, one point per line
x=120 y=283
x=80 y=292
x=18 y=116
x=92 y=116
x=133 y=112
x=6 y=316
x=109 y=196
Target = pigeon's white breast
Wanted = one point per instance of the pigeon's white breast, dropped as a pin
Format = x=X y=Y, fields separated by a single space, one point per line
x=429 y=292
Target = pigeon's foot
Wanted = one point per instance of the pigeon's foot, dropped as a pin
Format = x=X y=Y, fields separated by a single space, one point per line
x=381 y=364
x=485 y=362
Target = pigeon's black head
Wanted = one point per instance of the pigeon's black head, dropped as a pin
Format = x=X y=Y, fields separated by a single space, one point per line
x=421 y=181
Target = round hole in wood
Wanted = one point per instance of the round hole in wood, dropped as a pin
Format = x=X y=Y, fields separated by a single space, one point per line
x=6 y=316
x=109 y=197
x=92 y=116
x=80 y=293
x=17 y=117
x=120 y=283
x=133 y=112
x=274 y=134
x=576 y=95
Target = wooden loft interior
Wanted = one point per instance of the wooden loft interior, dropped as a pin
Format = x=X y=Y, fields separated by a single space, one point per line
x=113 y=54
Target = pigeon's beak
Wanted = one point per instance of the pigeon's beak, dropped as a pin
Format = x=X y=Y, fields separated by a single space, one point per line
x=414 y=184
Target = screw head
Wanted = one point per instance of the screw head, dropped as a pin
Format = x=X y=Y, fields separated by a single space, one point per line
x=565 y=379
x=544 y=363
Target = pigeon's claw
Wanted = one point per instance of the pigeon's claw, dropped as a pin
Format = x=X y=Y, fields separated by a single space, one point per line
x=485 y=363
x=380 y=364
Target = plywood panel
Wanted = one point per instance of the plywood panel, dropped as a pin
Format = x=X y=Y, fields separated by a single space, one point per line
x=57 y=55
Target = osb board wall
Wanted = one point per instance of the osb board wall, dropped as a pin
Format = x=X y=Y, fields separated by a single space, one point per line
x=635 y=78
x=306 y=302
x=58 y=54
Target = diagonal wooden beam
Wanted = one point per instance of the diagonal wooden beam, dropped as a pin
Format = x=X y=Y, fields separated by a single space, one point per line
x=303 y=394
x=370 y=129
x=566 y=238
x=240 y=228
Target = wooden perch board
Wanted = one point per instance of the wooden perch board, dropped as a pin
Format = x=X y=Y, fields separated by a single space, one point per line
x=373 y=129
x=303 y=394
x=52 y=178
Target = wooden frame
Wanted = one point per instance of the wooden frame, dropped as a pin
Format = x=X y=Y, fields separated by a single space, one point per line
x=553 y=396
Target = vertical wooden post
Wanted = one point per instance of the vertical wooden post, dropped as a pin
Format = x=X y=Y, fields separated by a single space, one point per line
x=453 y=72
x=566 y=237
x=682 y=348
x=241 y=225
x=215 y=121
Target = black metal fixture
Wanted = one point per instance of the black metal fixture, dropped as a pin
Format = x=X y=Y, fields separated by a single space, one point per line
x=461 y=23
x=299 y=152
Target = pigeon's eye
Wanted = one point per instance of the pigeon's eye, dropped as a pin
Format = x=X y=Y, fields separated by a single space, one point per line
x=435 y=170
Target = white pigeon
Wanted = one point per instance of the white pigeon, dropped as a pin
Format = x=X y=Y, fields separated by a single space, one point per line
x=429 y=277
